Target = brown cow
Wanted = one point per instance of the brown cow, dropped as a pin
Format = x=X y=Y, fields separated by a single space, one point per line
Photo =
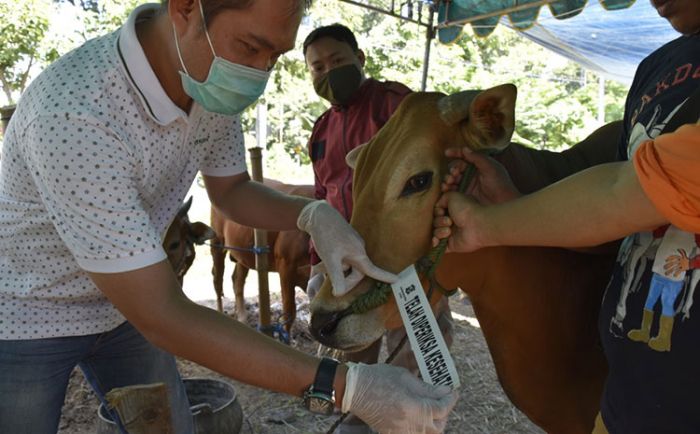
x=537 y=306
x=289 y=256
x=180 y=239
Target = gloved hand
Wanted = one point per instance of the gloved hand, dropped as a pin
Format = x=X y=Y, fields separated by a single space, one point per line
x=316 y=279
x=392 y=401
x=339 y=246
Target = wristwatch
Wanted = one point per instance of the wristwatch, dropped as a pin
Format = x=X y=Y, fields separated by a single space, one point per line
x=320 y=396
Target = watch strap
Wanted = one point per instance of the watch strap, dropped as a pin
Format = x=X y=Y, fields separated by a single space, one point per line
x=325 y=375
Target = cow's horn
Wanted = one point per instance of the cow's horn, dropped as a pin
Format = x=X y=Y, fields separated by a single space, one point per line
x=455 y=108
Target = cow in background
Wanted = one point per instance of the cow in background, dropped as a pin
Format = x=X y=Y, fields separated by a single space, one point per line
x=180 y=239
x=288 y=256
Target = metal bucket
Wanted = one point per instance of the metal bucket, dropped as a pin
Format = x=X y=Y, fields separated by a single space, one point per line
x=214 y=405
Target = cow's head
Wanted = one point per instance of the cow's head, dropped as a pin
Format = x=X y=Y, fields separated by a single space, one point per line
x=181 y=237
x=395 y=187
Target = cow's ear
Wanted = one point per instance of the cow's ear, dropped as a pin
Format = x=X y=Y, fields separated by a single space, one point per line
x=351 y=157
x=201 y=233
x=492 y=118
x=185 y=207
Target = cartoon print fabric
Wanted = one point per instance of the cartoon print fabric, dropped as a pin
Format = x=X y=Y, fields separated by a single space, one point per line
x=649 y=321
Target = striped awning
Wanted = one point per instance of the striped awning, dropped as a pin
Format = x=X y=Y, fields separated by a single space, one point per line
x=484 y=15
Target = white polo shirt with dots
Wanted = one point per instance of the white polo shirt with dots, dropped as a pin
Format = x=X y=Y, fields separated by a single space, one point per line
x=95 y=164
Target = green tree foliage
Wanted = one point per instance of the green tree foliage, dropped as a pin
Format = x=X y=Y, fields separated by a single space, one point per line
x=557 y=102
x=29 y=40
x=88 y=5
x=23 y=44
x=104 y=16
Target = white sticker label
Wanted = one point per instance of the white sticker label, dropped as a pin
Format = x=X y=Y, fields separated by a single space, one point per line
x=434 y=359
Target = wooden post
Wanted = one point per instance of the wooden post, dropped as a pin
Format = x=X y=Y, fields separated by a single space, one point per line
x=429 y=36
x=261 y=259
x=143 y=408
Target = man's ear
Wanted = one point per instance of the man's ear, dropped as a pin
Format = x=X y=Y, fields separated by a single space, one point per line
x=351 y=157
x=361 y=56
x=181 y=12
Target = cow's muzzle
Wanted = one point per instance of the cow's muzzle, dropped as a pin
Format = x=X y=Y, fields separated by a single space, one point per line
x=324 y=324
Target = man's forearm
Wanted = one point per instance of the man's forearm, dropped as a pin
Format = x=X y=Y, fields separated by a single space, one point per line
x=237 y=351
x=597 y=205
x=150 y=298
x=230 y=348
x=533 y=169
x=256 y=205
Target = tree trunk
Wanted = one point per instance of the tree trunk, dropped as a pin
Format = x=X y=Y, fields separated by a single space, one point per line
x=5 y=115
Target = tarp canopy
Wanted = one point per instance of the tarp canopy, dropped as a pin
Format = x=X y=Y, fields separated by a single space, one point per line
x=484 y=15
x=607 y=36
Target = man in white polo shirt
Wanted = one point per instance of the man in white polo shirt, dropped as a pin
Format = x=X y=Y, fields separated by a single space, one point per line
x=96 y=160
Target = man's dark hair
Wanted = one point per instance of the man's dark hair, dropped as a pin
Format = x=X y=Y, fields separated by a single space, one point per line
x=213 y=7
x=336 y=31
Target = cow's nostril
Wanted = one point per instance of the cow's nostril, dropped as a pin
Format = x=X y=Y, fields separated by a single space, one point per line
x=324 y=324
x=329 y=328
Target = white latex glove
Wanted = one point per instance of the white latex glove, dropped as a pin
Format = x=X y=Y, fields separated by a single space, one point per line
x=339 y=246
x=316 y=279
x=392 y=401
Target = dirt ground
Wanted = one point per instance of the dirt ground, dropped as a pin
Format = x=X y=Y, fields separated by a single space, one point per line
x=482 y=407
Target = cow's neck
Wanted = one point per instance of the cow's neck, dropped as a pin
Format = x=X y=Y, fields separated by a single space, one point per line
x=509 y=285
x=529 y=302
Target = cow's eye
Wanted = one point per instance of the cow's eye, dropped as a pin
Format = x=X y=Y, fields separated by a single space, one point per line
x=174 y=245
x=417 y=183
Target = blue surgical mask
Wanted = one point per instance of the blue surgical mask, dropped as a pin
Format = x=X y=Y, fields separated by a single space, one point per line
x=229 y=87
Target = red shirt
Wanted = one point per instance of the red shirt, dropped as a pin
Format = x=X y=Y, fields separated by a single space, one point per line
x=341 y=129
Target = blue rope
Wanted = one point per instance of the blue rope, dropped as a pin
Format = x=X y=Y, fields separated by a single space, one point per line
x=276 y=331
x=258 y=250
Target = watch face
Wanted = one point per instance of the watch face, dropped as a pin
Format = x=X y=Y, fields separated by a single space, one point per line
x=320 y=396
x=320 y=405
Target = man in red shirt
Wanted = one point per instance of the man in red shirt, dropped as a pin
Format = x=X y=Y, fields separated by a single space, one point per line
x=360 y=106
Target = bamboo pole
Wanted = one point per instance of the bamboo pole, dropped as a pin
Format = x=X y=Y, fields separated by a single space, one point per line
x=261 y=258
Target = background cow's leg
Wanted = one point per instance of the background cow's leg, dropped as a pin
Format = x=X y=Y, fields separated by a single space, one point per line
x=240 y=272
x=218 y=257
x=288 y=289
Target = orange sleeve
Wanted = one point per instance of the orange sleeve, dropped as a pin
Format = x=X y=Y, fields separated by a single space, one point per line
x=668 y=169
